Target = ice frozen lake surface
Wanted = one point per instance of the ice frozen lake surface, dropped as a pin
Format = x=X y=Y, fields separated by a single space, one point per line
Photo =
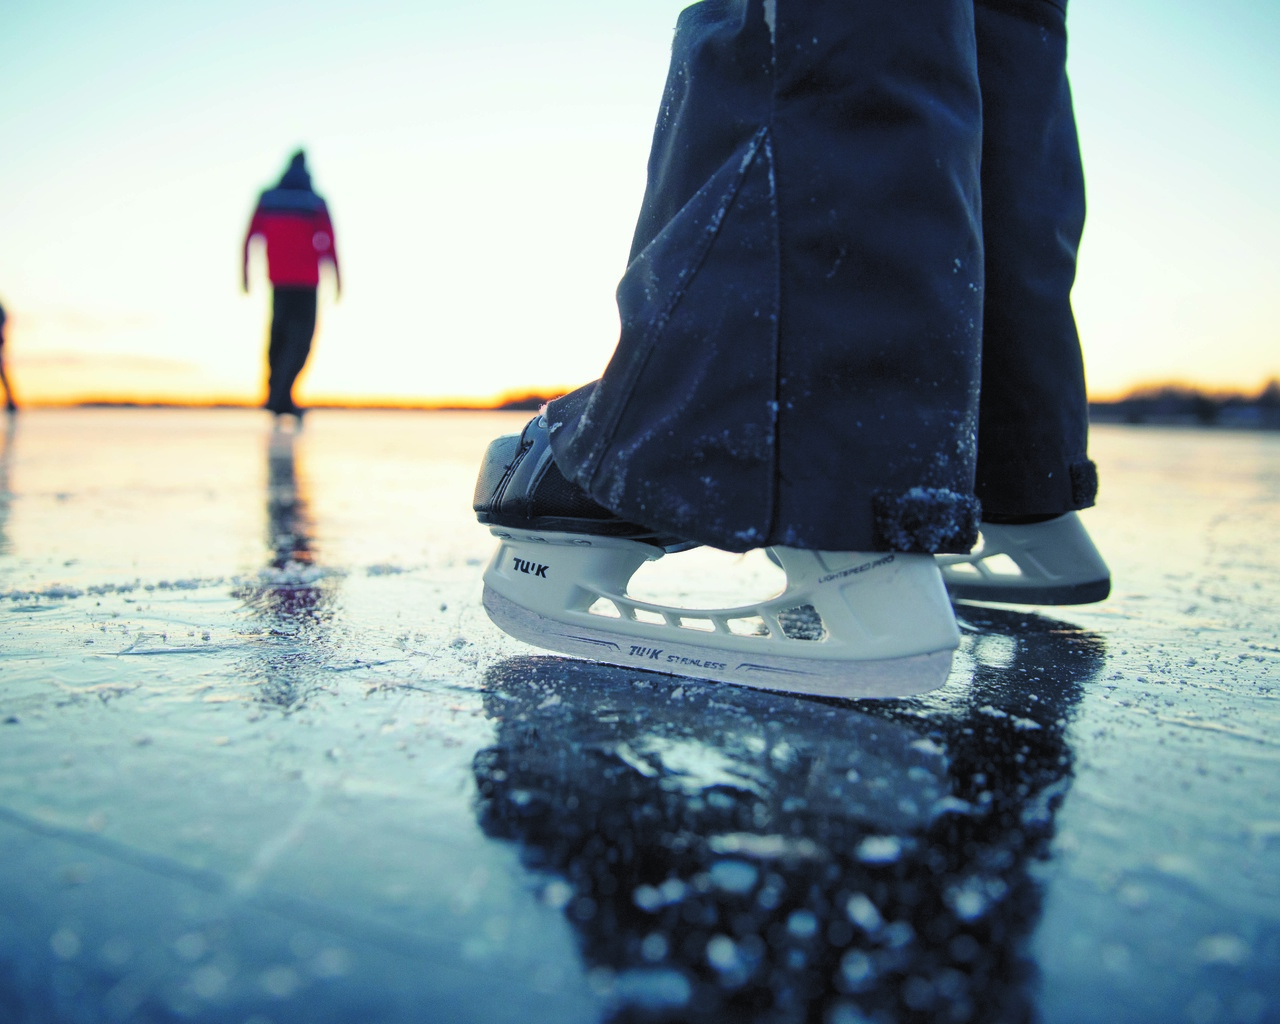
x=264 y=760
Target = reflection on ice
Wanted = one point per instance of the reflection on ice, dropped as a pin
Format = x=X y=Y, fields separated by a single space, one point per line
x=289 y=525
x=292 y=599
x=727 y=854
x=6 y=494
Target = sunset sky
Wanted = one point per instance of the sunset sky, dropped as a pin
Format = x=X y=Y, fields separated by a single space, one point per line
x=484 y=163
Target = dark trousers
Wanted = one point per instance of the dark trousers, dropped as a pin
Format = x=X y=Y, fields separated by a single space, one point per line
x=846 y=318
x=293 y=325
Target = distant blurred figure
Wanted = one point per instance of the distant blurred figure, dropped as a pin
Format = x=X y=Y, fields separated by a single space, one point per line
x=294 y=221
x=9 y=404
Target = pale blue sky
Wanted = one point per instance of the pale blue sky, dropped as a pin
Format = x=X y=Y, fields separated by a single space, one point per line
x=484 y=162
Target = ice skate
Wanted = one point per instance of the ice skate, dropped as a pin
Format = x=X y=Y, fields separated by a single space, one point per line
x=847 y=624
x=1052 y=562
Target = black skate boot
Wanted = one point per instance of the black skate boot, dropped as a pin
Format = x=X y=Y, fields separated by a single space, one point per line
x=521 y=488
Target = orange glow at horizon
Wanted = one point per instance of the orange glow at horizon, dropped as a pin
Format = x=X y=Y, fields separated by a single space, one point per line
x=76 y=379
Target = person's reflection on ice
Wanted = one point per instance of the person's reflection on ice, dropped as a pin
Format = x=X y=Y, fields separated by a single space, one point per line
x=289 y=525
x=727 y=854
x=292 y=597
x=6 y=494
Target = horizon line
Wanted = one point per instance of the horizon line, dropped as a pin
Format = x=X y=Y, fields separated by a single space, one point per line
x=517 y=404
x=533 y=399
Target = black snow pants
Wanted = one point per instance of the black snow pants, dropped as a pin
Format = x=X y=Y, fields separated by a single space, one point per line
x=293 y=326
x=846 y=321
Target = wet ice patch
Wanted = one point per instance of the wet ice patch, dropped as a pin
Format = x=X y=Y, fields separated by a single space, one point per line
x=862 y=912
x=630 y=758
x=950 y=805
x=768 y=847
x=734 y=876
x=973 y=897
x=1222 y=949
x=879 y=849
x=652 y=989
x=1022 y=724
x=847 y=1013
x=651 y=898
x=802 y=924
x=68 y=592
x=856 y=970
x=557 y=894
x=722 y=953
x=56 y=592
x=280 y=982
x=654 y=947
x=992 y=650
x=65 y=943
x=295 y=574
x=693 y=767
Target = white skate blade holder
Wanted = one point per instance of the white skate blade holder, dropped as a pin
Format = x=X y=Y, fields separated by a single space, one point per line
x=847 y=624
x=1049 y=563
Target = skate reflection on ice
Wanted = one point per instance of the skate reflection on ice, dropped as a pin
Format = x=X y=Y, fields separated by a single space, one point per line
x=731 y=854
x=292 y=599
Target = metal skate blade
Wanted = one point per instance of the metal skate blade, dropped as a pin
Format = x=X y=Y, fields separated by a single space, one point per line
x=892 y=677
x=1061 y=594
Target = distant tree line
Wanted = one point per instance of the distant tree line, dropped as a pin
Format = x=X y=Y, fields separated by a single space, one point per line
x=1183 y=404
x=525 y=402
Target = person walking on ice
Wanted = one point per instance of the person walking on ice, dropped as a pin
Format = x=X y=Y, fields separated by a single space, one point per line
x=10 y=405
x=846 y=337
x=294 y=221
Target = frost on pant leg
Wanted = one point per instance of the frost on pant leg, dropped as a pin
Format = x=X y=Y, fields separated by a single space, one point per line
x=679 y=432
x=802 y=315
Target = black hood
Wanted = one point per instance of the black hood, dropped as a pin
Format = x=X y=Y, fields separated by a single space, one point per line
x=296 y=176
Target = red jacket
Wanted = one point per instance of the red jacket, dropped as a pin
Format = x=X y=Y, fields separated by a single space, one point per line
x=299 y=234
